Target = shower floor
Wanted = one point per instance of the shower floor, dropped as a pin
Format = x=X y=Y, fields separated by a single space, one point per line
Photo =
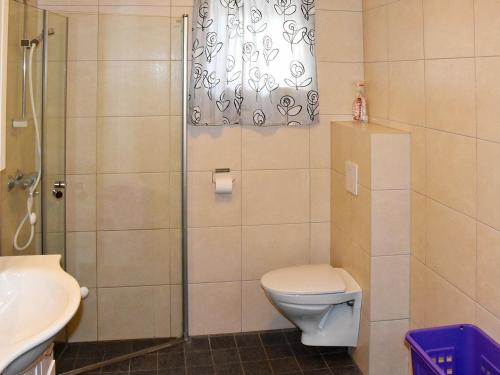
x=270 y=352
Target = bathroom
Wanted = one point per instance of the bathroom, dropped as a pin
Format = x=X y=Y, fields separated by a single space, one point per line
x=169 y=226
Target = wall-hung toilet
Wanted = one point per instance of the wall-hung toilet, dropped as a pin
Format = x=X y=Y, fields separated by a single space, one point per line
x=322 y=301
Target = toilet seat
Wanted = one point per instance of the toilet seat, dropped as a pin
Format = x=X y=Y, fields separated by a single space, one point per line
x=312 y=279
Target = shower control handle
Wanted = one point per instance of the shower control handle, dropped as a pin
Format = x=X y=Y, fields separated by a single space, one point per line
x=58 y=194
x=59 y=185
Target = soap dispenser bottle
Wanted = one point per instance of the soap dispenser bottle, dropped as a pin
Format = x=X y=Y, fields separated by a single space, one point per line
x=359 y=105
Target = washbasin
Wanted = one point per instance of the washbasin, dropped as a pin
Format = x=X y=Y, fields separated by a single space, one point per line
x=37 y=299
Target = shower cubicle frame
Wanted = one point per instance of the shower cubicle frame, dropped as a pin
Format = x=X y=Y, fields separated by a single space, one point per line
x=184 y=141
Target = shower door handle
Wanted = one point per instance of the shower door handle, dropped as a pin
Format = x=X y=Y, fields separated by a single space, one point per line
x=58 y=186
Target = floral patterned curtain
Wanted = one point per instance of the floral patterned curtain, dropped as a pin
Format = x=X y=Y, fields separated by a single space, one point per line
x=254 y=63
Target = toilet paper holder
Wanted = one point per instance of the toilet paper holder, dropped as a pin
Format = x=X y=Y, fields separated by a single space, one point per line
x=220 y=170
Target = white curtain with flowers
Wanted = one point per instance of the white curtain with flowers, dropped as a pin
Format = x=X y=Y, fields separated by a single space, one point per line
x=254 y=63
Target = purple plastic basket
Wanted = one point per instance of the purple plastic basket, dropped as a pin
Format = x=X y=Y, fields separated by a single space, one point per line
x=453 y=350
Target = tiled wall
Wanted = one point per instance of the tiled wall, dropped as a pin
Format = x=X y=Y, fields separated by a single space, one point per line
x=431 y=68
x=123 y=180
x=278 y=214
x=371 y=238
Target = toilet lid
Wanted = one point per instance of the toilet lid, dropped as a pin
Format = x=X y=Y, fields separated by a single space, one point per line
x=308 y=279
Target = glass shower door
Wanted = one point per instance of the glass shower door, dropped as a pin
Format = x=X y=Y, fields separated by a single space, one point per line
x=54 y=134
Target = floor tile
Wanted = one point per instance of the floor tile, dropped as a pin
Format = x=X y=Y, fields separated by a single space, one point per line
x=257 y=368
x=221 y=356
x=248 y=340
x=222 y=342
x=252 y=353
x=284 y=365
x=199 y=359
x=311 y=362
x=171 y=360
x=273 y=338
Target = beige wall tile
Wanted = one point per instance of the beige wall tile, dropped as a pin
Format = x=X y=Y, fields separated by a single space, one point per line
x=356 y=5
x=175 y=200
x=214 y=254
x=342 y=140
x=275 y=196
x=390 y=161
x=390 y=287
x=126 y=313
x=390 y=222
x=405 y=30
x=81 y=203
x=274 y=147
x=83 y=326
x=134 y=37
x=362 y=218
x=488 y=183
x=337 y=86
x=446 y=304
x=176 y=313
x=320 y=195
x=81 y=145
x=257 y=311
x=487 y=17
x=268 y=247
x=377 y=89
x=121 y=263
x=319 y=143
x=418 y=226
x=445 y=18
x=418 y=292
x=341 y=249
x=406 y=92
x=82 y=35
x=361 y=354
x=133 y=201
x=162 y=310
x=389 y=354
x=341 y=203
x=214 y=147
x=488 y=322
x=375 y=34
x=488 y=264
x=81 y=257
x=320 y=242
x=145 y=92
x=133 y=144
x=215 y=308
x=450 y=95
x=451 y=246
x=451 y=170
x=488 y=95
x=331 y=31
x=82 y=89
x=175 y=256
x=205 y=208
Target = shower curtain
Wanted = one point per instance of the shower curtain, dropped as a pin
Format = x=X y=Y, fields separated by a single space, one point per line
x=253 y=63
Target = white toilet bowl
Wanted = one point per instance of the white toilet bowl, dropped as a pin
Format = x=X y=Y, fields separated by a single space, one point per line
x=322 y=301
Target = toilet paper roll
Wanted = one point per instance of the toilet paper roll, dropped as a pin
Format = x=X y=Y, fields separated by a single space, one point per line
x=223 y=183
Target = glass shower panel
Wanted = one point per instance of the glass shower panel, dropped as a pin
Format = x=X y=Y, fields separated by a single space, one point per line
x=21 y=155
x=54 y=134
x=26 y=157
x=131 y=258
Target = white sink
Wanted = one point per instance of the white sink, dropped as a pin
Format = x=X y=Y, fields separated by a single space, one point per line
x=37 y=299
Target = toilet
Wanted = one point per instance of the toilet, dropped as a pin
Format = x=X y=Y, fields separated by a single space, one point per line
x=322 y=301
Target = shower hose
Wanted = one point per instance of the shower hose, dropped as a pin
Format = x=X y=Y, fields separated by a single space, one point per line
x=30 y=215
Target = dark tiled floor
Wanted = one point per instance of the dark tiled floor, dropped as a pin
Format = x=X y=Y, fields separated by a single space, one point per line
x=266 y=353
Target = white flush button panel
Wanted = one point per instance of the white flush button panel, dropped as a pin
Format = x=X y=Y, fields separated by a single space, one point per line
x=351 y=177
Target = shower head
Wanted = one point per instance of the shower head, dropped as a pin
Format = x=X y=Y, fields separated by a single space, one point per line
x=39 y=38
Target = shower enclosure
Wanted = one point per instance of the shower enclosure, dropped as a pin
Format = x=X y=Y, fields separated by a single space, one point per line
x=110 y=88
